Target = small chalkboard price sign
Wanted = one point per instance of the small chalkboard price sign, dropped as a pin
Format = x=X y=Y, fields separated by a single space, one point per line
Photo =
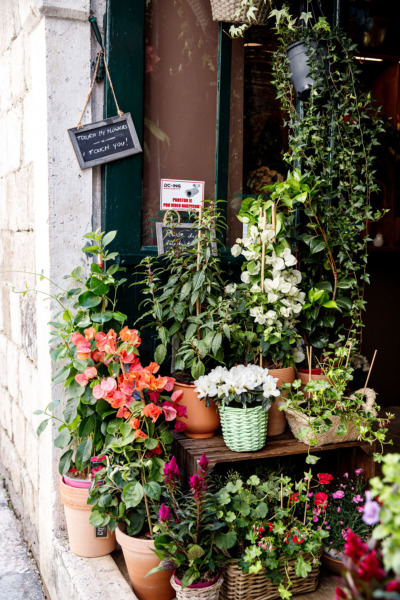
x=182 y=234
x=104 y=141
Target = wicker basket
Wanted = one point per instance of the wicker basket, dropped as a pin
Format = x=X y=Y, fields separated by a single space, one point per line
x=244 y=429
x=245 y=586
x=297 y=420
x=225 y=10
x=206 y=593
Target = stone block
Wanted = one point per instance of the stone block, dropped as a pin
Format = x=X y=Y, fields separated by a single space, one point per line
x=19 y=426
x=13 y=121
x=32 y=456
x=11 y=461
x=15 y=318
x=3 y=360
x=18 y=69
x=5 y=411
x=12 y=360
x=5 y=307
x=3 y=203
x=29 y=332
x=5 y=78
x=27 y=392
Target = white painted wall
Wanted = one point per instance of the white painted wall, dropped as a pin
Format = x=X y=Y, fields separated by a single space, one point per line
x=46 y=205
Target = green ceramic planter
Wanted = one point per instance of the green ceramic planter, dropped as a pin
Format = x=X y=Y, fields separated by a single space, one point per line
x=243 y=429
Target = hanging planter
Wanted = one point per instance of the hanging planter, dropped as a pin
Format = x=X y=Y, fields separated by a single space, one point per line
x=300 y=68
x=232 y=11
x=244 y=429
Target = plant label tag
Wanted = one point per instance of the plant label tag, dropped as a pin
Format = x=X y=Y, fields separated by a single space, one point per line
x=101 y=532
x=181 y=195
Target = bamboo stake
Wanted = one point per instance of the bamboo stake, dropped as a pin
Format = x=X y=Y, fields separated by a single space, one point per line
x=369 y=372
x=305 y=506
x=198 y=269
x=281 y=491
x=348 y=356
x=273 y=222
x=264 y=214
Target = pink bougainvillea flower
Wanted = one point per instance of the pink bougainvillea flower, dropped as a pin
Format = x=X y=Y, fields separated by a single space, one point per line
x=177 y=396
x=106 y=343
x=118 y=399
x=169 y=386
x=77 y=337
x=152 y=411
x=89 y=333
x=91 y=372
x=124 y=413
x=180 y=426
x=126 y=388
x=169 y=412
x=130 y=335
x=154 y=396
x=98 y=391
x=181 y=411
x=135 y=365
x=108 y=385
x=153 y=367
x=81 y=379
x=360 y=509
x=83 y=346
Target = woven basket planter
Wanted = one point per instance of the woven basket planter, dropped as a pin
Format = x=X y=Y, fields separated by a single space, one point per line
x=225 y=10
x=246 y=586
x=297 y=420
x=206 y=593
x=244 y=429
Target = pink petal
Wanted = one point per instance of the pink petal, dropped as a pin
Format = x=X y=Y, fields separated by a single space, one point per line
x=177 y=396
x=98 y=392
x=180 y=426
x=169 y=413
x=91 y=372
x=81 y=379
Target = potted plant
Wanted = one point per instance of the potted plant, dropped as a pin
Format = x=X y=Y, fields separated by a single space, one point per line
x=191 y=314
x=270 y=535
x=88 y=355
x=324 y=413
x=344 y=511
x=186 y=538
x=242 y=395
x=126 y=492
x=267 y=303
x=236 y=11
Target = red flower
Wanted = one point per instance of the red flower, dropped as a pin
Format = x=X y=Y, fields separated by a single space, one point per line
x=152 y=411
x=370 y=568
x=297 y=541
x=321 y=499
x=324 y=478
x=354 y=547
x=294 y=498
x=339 y=594
x=393 y=586
x=180 y=426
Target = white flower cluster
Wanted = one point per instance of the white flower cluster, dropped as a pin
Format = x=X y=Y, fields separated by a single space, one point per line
x=221 y=382
x=280 y=283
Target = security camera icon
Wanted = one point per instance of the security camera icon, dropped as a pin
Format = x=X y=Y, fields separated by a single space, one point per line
x=193 y=191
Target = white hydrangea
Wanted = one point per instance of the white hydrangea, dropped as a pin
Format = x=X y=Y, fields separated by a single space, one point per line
x=245 y=277
x=221 y=382
x=236 y=250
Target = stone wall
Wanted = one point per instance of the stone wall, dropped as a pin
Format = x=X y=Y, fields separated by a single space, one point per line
x=46 y=205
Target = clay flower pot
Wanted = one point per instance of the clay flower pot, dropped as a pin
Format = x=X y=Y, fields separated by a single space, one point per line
x=334 y=564
x=202 y=421
x=140 y=559
x=81 y=534
x=277 y=418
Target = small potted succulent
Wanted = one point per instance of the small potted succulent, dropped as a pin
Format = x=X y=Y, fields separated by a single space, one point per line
x=243 y=396
x=126 y=491
x=186 y=538
x=270 y=535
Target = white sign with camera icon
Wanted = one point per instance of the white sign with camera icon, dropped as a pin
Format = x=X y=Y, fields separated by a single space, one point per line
x=181 y=194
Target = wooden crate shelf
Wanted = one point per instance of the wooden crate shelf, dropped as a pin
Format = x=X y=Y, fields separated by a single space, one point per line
x=347 y=456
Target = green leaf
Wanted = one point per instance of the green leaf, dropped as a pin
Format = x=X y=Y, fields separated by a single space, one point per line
x=152 y=489
x=61 y=375
x=198 y=280
x=65 y=462
x=344 y=303
x=63 y=438
x=317 y=244
x=194 y=552
x=89 y=300
x=132 y=494
x=185 y=291
x=42 y=426
x=330 y=304
x=160 y=354
x=150 y=443
x=311 y=459
x=87 y=426
x=71 y=410
x=83 y=454
x=198 y=369
x=102 y=317
x=216 y=343
x=346 y=283
x=303 y=567
x=108 y=238
x=98 y=287
x=224 y=541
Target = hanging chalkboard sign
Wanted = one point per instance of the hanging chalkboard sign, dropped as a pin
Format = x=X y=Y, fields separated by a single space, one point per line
x=182 y=234
x=104 y=141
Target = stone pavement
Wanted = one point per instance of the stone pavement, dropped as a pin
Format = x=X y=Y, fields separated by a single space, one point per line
x=19 y=575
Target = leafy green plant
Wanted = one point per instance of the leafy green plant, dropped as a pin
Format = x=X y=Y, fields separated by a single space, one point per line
x=324 y=401
x=86 y=306
x=189 y=309
x=187 y=534
x=333 y=141
x=271 y=522
x=387 y=531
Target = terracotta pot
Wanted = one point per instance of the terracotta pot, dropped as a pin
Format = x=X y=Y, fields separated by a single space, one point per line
x=81 y=534
x=304 y=376
x=334 y=565
x=202 y=421
x=140 y=559
x=277 y=418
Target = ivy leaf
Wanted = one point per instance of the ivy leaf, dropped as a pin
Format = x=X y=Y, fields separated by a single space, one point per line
x=303 y=567
x=311 y=459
